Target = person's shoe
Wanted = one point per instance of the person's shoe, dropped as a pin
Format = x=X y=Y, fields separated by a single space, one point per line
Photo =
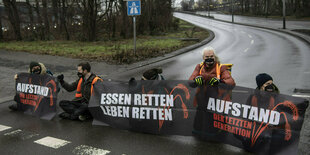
x=85 y=117
x=64 y=115
x=13 y=107
x=82 y=118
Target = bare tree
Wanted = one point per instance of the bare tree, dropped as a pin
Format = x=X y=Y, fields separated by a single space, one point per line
x=63 y=20
x=125 y=19
x=30 y=14
x=1 y=33
x=46 y=22
x=55 y=11
x=11 y=8
x=39 y=19
x=89 y=10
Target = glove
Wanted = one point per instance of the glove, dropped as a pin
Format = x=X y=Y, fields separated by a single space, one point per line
x=199 y=80
x=60 y=78
x=214 y=81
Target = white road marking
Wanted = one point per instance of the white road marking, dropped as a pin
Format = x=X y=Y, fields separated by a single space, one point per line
x=242 y=32
x=3 y=127
x=15 y=132
x=252 y=42
x=305 y=96
x=21 y=134
x=249 y=36
x=52 y=142
x=246 y=50
x=306 y=72
x=88 y=150
x=240 y=91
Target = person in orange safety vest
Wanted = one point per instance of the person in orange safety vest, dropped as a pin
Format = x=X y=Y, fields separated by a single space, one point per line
x=210 y=70
x=78 y=107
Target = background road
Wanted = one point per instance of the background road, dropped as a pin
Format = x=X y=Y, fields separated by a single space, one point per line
x=251 y=50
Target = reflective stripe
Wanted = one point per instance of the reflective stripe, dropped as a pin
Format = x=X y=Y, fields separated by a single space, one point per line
x=79 y=88
x=92 y=84
x=217 y=68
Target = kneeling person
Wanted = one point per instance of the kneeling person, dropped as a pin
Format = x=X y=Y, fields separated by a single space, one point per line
x=78 y=107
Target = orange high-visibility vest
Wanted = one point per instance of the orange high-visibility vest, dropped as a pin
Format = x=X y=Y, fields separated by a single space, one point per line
x=79 y=87
x=217 y=69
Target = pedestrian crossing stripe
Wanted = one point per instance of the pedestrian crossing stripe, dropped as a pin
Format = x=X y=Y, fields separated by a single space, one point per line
x=88 y=150
x=52 y=142
x=3 y=127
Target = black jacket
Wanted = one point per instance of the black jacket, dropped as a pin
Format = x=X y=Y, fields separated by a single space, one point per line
x=85 y=88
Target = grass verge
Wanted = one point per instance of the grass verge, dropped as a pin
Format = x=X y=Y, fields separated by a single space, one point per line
x=116 y=52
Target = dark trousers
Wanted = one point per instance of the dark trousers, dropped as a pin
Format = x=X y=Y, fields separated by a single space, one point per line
x=74 y=108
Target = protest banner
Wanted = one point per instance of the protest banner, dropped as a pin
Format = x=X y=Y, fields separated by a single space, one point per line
x=36 y=95
x=257 y=121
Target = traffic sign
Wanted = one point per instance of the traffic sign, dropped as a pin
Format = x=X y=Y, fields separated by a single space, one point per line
x=133 y=8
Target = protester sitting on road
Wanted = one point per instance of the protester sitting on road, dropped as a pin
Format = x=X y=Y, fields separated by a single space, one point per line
x=210 y=70
x=37 y=68
x=265 y=83
x=34 y=68
x=78 y=107
x=153 y=74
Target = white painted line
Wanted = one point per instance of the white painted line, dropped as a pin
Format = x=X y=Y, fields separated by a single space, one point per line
x=88 y=150
x=242 y=32
x=3 y=127
x=246 y=50
x=24 y=135
x=305 y=96
x=52 y=142
x=306 y=72
x=13 y=133
x=240 y=91
x=252 y=42
x=249 y=36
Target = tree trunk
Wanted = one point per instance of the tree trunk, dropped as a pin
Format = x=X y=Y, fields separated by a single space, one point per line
x=46 y=22
x=37 y=9
x=31 y=19
x=63 y=19
x=10 y=6
x=55 y=11
x=1 y=32
x=125 y=22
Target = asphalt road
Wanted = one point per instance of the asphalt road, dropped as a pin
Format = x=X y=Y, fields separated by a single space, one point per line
x=259 y=21
x=251 y=50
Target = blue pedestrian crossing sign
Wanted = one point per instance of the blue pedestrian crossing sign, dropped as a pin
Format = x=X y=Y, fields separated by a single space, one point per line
x=133 y=8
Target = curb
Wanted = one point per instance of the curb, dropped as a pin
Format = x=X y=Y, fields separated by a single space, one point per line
x=298 y=36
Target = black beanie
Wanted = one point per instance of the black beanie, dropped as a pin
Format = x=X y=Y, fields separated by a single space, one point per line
x=152 y=73
x=33 y=64
x=262 y=78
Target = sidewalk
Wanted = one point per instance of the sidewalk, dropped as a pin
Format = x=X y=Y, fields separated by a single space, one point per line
x=267 y=23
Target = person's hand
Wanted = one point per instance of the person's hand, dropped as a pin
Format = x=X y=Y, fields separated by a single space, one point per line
x=214 y=81
x=60 y=78
x=15 y=76
x=132 y=82
x=199 y=80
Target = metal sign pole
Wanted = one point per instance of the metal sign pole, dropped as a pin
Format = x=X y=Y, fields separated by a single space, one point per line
x=232 y=11
x=283 y=1
x=134 y=33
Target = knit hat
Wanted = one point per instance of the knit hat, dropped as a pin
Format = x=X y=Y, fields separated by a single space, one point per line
x=262 y=78
x=152 y=73
x=33 y=64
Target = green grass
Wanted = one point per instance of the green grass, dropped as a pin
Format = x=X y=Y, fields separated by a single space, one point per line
x=112 y=51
